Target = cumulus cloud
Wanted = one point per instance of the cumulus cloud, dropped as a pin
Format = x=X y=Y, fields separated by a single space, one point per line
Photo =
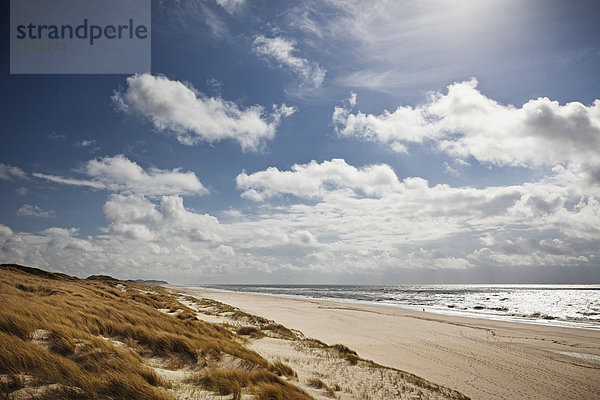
x=193 y=117
x=313 y=180
x=135 y=217
x=281 y=51
x=28 y=210
x=465 y=123
x=5 y=231
x=332 y=218
x=195 y=226
x=343 y=231
x=65 y=239
x=303 y=237
x=148 y=227
x=142 y=238
x=371 y=208
x=405 y=124
x=119 y=174
x=9 y=173
x=131 y=216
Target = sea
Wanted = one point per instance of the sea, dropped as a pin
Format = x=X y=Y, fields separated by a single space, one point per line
x=561 y=305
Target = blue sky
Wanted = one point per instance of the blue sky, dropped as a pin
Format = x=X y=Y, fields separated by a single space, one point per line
x=317 y=142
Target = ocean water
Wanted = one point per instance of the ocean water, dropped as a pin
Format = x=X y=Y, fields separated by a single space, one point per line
x=564 y=305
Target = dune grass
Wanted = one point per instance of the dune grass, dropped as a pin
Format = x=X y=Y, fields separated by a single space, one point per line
x=251 y=331
x=84 y=318
x=260 y=326
x=95 y=338
x=281 y=369
x=265 y=385
x=319 y=384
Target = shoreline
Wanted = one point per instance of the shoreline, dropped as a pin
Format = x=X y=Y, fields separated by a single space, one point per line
x=481 y=358
x=431 y=310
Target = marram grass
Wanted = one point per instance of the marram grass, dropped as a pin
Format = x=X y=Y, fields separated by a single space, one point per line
x=82 y=319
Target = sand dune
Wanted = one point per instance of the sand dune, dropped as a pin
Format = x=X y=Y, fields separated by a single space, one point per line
x=480 y=358
x=69 y=338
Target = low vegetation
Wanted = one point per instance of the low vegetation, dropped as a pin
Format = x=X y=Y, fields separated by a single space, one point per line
x=281 y=369
x=251 y=331
x=319 y=384
x=101 y=338
x=94 y=338
x=252 y=325
x=265 y=385
x=389 y=382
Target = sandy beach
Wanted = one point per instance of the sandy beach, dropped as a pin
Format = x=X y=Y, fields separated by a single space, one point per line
x=483 y=359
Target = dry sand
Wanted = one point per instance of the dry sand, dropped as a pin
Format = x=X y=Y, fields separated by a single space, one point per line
x=481 y=358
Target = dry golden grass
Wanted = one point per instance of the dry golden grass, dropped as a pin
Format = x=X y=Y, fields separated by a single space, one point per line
x=213 y=307
x=268 y=391
x=80 y=315
x=346 y=353
x=280 y=331
x=358 y=373
x=258 y=328
x=281 y=369
x=263 y=384
x=251 y=331
x=319 y=384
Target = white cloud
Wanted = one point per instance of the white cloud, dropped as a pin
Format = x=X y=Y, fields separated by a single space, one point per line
x=280 y=50
x=28 y=210
x=487 y=239
x=63 y=239
x=85 y=143
x=314 y=180
x=142 y=238
x=119 y=174
x=330 y=219
x=231 y=5
x=5 y=232
x=465 y=123
x=131 y=216
x=303 y=237
x=303 y=18
x=131 y=209
x=148 y=226
x=215 y=22
x=434 y=259
x=69 y=181
x=225 y=251
x=391 y=46
x=405 y=124
x=8 y=173
x=351 y=209
x=538 y=258
x=22 y=191
x=135 y=217
x=55 y=136
x=195 y=226
x=193 y=117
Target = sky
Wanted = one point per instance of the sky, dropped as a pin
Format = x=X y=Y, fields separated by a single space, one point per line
x=331 y=141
